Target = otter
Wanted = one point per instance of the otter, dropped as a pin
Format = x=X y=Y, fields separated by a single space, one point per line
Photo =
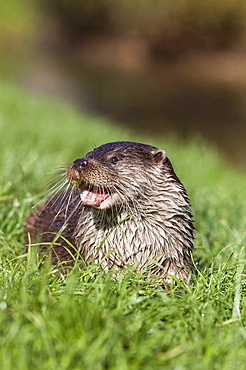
x=124 y=205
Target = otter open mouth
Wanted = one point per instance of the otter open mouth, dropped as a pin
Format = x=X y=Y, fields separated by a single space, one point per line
x=94 y=197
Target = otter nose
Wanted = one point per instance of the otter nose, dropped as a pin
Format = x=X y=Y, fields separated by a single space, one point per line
x=80 y=163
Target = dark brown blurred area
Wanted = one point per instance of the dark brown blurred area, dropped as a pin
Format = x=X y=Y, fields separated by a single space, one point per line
x=169 y=28
x=159 y=67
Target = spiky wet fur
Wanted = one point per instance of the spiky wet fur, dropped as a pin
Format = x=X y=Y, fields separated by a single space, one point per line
x=147 y=223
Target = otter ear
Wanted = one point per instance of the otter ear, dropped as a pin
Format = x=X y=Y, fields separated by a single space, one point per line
x=158 y=156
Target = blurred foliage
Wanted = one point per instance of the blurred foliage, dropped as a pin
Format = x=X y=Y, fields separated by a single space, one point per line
x=165 y=24
x=17 y=23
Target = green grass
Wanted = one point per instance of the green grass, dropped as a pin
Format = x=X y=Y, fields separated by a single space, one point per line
x=86 y=319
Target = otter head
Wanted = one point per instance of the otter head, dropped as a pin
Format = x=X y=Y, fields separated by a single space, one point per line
x=116 y=173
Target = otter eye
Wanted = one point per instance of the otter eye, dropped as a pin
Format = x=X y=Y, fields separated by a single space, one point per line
x=114 y=160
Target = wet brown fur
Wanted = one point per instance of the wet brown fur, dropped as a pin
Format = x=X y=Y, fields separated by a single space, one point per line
x=149 y=219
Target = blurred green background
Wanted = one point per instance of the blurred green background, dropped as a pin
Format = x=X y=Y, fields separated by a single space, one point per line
x=159 y=67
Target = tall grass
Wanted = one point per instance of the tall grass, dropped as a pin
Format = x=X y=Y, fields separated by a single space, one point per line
x=86 y=319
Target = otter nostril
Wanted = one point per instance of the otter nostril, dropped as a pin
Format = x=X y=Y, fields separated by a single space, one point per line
x=80 y=163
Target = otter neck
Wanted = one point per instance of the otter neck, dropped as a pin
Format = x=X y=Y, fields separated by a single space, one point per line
x=158 y=228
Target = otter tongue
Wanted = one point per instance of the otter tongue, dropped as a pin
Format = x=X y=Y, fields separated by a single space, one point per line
x=94 y=198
